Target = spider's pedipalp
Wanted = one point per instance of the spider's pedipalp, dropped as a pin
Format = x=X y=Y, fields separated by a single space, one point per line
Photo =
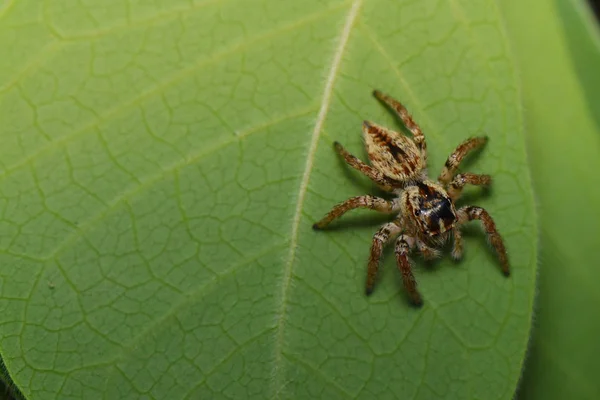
x=403 y=246
x=458 y=183
x=370 y=202
x=470 y=213
x=380 y=239
x=457 y=156
x=428 y=252
x=457 y=246
x=407 y=120
x=372 y=173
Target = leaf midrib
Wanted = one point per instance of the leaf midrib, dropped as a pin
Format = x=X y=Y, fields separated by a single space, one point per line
x=339 y=50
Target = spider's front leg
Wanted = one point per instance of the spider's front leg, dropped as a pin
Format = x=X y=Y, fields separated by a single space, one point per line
x=470 y=213
x=403 y=246
x=380 y=239
x=371 y=202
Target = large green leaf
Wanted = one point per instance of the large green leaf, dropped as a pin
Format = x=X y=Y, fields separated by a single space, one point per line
x=559 y=58
x=162 y=165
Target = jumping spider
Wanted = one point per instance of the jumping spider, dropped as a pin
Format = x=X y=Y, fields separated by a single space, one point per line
x=425 y=211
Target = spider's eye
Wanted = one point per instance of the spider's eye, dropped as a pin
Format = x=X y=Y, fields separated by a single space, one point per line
x=417 y=213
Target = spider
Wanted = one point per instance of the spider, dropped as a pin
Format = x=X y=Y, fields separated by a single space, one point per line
x=426 y=216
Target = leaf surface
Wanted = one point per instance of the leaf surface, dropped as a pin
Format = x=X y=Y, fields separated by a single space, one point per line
x=564 y=147
x=162 y=165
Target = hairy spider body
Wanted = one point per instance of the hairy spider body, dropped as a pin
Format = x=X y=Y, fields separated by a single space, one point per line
x=426 y=216
x=431 y=207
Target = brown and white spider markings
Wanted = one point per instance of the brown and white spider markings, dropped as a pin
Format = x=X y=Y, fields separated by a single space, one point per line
x=426 y=216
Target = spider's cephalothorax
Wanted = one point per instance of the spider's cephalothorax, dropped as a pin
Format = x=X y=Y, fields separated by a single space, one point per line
x=425 y=211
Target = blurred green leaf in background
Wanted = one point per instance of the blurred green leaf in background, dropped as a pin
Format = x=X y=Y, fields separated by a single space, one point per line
x=558 y=49
x=162 y=164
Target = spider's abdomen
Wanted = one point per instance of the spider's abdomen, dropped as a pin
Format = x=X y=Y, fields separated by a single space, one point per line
x=395 y=155
x=431 y=208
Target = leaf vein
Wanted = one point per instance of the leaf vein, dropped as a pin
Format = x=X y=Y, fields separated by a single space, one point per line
x=154 y=179
x=164 y=84
x=288 y=268
x=315 y=370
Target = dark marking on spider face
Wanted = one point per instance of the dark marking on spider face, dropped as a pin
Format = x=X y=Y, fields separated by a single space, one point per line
x=435 y=210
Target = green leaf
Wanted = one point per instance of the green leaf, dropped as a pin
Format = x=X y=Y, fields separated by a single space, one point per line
x=559 y=58
x=162 y=166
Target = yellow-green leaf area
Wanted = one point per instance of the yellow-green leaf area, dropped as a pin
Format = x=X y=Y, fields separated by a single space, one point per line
x=562 y=361
x=162 y=165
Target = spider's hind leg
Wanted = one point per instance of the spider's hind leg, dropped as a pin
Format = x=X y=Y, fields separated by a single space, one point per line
x=407 y=120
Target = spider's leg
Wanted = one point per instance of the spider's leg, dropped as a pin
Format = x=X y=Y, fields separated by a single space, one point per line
x=408 y=121
x=470 y=213
x=429 y=253
x=380 y=239
x=403 y=246
x=457 y=156
x=458 y=183
x=370 y=202
x=372 y=173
